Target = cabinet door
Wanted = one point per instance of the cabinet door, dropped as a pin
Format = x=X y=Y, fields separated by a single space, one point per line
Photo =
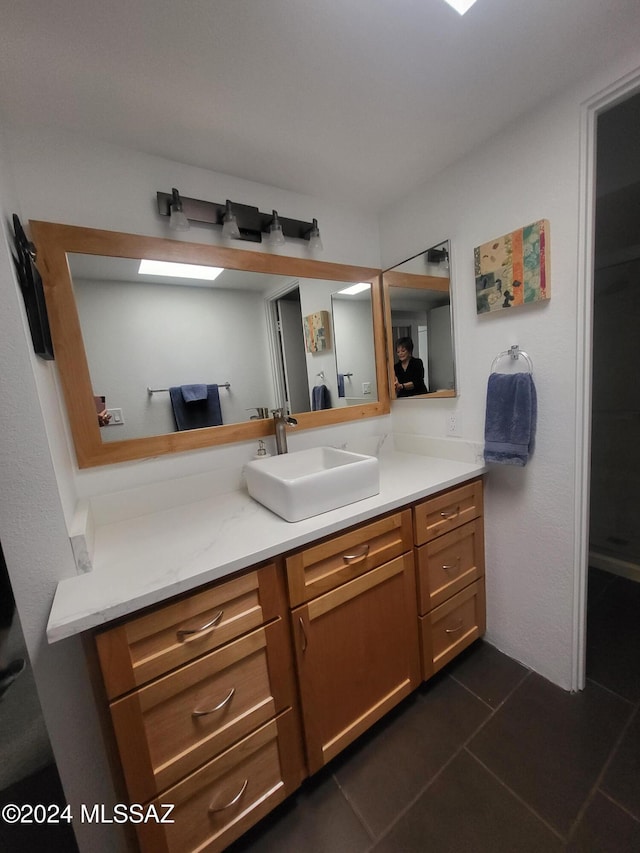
x=357 y=655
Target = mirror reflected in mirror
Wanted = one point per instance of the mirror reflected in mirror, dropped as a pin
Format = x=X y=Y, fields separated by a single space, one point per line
x=419 y=325
x=184 y=363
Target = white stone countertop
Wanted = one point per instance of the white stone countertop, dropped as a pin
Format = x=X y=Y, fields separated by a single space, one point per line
x=144 y=560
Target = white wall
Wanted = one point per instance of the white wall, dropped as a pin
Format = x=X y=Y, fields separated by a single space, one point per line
x=528 y=172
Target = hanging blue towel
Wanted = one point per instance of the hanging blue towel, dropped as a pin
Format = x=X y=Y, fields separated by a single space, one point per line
x=320 y=398
x=341 y=385
x=510 y=423
x=191 y=393
x=198 y=413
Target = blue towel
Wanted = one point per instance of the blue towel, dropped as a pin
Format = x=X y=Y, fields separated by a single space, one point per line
x=191 y=393
x=199 y=413
x=510 y=424
x=341 y=385
x=320 y=398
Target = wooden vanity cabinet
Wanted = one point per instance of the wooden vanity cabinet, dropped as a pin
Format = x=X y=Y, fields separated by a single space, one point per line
x=449 y=539
x=204 y=710
x=207 y=712
x=356 y=644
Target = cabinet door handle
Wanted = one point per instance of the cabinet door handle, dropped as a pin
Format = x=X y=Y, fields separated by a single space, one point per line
x=454 y=630
x=213 y=810
x=445 y=514
x=198 y=713
x=182 y=633
x=304 y=634
x=452 y=567
x=359 y=555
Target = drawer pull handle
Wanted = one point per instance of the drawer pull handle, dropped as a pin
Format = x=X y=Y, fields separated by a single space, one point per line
x=445 y=514
x=359 y=555
x=453 y=567
x=304 y=634
x=186 y=632
x=454 y=630
x=213 y=810
x=218 y=707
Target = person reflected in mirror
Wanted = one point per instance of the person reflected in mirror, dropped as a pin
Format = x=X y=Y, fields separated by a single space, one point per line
x=409 y=371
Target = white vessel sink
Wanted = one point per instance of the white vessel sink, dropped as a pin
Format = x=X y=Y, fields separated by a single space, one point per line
x=305 y=483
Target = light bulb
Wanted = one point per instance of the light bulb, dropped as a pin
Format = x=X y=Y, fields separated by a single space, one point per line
x=177 y=220
x=230 y=223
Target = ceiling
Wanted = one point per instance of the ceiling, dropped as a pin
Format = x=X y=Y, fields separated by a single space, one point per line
x=356 y=100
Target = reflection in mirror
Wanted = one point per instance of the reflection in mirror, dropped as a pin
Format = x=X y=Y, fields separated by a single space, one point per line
x=418 y=314
x=342 y=371
x=146 y=333
x=130 y=342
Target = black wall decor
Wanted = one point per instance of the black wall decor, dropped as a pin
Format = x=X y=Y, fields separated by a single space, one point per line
x=32 y=292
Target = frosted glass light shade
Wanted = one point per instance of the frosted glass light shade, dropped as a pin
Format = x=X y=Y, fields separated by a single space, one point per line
x=230 y=223
x=276 y=235
x=315 y=242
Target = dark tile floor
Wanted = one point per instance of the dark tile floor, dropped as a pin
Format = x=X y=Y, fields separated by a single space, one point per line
x=486 y=757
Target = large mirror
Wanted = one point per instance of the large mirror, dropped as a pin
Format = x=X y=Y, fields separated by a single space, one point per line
x=268 y=332
x=418 y=321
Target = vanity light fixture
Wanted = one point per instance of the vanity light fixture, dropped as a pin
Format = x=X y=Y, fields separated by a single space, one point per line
x=230 y=223
x=240 y=221
x=315 y=243
x=461 y=6
x=356 y=288
x=276 y=234
x=177 y=220
x=175 y=270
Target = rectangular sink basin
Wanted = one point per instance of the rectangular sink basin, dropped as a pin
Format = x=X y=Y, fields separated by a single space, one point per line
x=308 y=482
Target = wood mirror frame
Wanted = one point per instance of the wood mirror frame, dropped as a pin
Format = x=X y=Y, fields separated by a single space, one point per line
x=54 y=241
x=396 y=278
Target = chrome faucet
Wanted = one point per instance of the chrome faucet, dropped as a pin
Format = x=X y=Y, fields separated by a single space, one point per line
x=281 y=422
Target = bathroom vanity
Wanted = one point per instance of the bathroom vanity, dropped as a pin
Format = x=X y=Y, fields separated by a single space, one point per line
x=250 y=664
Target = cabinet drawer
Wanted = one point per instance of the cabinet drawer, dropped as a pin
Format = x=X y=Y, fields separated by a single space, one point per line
x=151 y=645
x=177 y=723
x=449 y=563
x=452 y=627
x=323 y=567
x=224 y=798
x=446 y=511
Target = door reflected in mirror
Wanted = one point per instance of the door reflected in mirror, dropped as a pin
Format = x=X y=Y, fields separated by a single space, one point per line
x=419 y=326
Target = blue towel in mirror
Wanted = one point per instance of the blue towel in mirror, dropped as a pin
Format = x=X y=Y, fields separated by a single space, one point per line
x=510 y=422
x=341 y=385
x=320 y=398
x=191 y=393
x=196 y=414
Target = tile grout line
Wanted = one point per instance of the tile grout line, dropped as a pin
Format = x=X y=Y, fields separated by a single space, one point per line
x=601 y=775
x=618 y=805
x=516 y=796
x=452 y=757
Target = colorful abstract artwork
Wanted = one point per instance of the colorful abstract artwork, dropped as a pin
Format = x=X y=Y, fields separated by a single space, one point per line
x=513 y=270
x=317 y=332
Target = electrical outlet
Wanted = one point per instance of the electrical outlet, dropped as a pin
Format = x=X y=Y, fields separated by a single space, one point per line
x=452 y=425
x=366 y=387
x=116 y=417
